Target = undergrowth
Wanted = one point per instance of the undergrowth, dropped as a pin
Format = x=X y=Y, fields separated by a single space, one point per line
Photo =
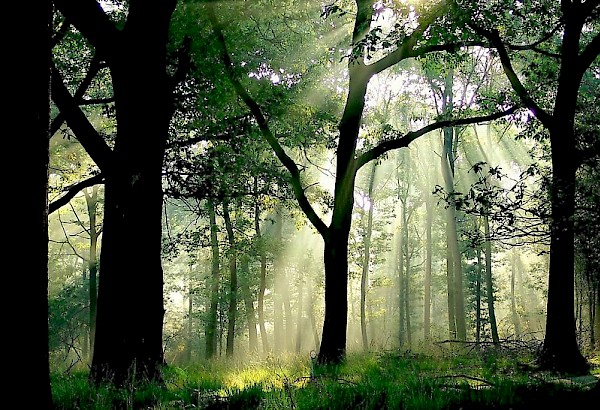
x=389 y=380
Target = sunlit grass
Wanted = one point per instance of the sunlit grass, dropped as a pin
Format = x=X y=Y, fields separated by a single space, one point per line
x=401 y=380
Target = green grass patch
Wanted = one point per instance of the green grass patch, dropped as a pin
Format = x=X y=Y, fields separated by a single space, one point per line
x=389 y=380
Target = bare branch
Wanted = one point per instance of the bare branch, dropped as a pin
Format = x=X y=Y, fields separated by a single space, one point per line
x=74 y=190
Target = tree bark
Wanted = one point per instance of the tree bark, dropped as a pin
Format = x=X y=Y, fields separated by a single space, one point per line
x=489 y=281
x=128 y=343
x=263 y=274
x=249 y=304
x=92 y=207
x=211 y=319
x=29 y=110
x=233 y=280
x=364 y=281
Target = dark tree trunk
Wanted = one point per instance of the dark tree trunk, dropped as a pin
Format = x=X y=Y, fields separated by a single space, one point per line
x=211 y=319
x=560 y=350
x=233 y=285
x=128 y=342
x=29 y=111
x=333 y=343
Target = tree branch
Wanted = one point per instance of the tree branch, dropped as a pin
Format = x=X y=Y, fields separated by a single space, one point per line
x=494 y=37
x=74 y=190
x=91 y=20
x=589 y=54
x=256 y=111
x=409 y=137
x=86 y=134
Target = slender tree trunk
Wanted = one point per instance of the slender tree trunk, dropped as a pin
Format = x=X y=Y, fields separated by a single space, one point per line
x=190 y=309
x=211 y=317
x=278 y=309
x=299 y=312
x=263 y=273
x=428 y=264
x=233 y=281
x=478 y=321
x=249 y=303
x=513 y=294
x=92 y=207
x=364 y=281
x=311 y=315
x=489 y=280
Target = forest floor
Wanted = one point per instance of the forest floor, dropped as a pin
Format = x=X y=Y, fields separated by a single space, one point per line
x=500 y=380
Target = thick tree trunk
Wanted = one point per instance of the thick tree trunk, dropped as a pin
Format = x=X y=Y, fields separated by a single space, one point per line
x=211 y=317
x=29 y=109
x=128 y=345
x=233 y=285
x=333 y=343
x=560 y=350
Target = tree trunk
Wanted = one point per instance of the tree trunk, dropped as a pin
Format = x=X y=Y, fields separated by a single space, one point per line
x=30 y=110
x=428 y=264
x=364 y=281
x=489 y=281
x=92 y=206
x=128 y=344
x=249 y=304
x=333 y=343
x=190 y=309
x=299 y=312
x=406 y=277
x=478 y=321
x=455 y=275
x=263 y=273
x=513 y=294
x=560 y=350
x=311 y=315
x=211 y=319
x=278 y=309
x=233 y=285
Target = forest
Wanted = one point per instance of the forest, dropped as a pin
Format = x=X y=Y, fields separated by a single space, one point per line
x=300 y=204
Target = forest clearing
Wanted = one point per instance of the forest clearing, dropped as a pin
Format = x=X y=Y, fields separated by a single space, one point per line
x=304 y=204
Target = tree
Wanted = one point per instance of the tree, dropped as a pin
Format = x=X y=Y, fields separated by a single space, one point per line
x=128 y=344
x=30 y=109
x=578 y=49
x=361 y=69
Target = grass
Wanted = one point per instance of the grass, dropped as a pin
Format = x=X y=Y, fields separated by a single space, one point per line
x=389 y=380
